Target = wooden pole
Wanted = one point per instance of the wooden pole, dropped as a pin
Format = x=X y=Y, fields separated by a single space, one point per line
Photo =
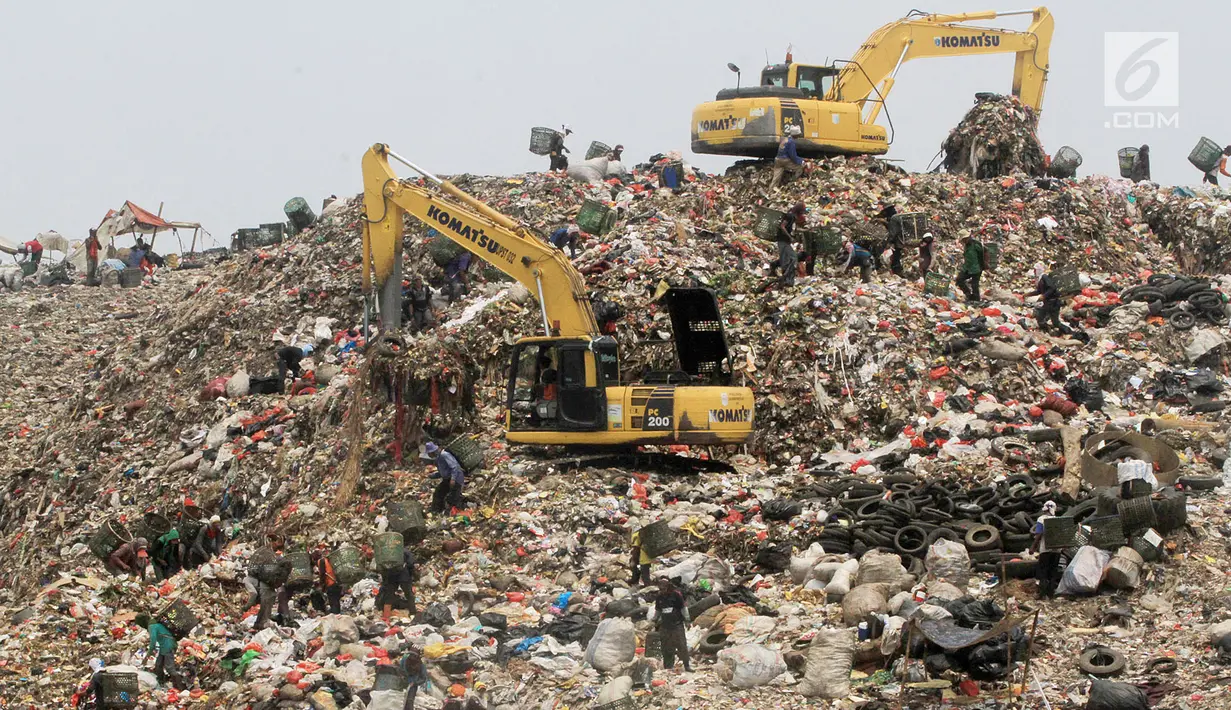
x=1034 y=628
x=155 y=234
x=1070 y=484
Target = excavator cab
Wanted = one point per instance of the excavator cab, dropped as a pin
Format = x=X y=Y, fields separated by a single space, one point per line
x=813 y=82
x=559 y=384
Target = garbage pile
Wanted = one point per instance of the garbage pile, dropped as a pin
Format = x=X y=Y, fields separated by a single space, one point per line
x=1194 y=226
x=906 y=444
x=997 y=137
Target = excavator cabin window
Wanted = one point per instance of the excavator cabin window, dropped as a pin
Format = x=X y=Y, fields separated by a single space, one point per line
x=774 y=75
x=815 y=82
x=556 y=386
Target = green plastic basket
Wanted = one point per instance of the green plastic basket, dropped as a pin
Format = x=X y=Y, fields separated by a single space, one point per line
x=1067 y=279
x=765 y=224
x=936 y=284
x=595 y=217
x=597 y=150
x=1205 y=155
x=1126 y=157
x=993 y=255
x=347 y=564
x=467 y=451
x=387 y=550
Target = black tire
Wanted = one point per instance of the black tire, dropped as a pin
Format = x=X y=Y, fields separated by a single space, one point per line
x=891 y=479
x=1017 y=542
x=1159 y=280
x=911 y=540
x=1171 y=510
x=1101 y=662
x=982 y=537
x=1205 y=300
x=942 y=534
x=713 y=643
x=1182 y=320
x=1020 y=486
x=1200 y=483
x=1161 y=665
x=1217 y=317
x=868 y=509
x=703 y=605
x=837 y=516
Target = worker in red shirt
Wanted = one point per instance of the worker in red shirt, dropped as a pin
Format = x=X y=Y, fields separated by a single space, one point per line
x=33 y=249
x=91 y=258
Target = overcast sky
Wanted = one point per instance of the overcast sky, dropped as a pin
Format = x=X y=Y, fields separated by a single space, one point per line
x=225 y=110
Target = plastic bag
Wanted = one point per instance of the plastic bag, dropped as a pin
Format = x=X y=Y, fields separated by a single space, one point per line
x=840 y=585
x=387 y=700
x=802 y=564
x=436 y=615
x=982 y=614
x=828 y=671
x=614 y=643
x=1110 y=695
x=774 y=558
x=593 y=170
x=780 y=509
x=1085 y=573
x=749 y=666
x=949 y=561
x=752 y=629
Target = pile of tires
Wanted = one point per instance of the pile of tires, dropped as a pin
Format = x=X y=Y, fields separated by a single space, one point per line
x=1184 y=301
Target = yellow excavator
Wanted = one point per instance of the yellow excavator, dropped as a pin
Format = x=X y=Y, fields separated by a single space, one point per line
x=564 y=386
x=836 y=106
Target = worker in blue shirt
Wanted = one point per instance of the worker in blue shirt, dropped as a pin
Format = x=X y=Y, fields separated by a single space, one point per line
x=787 y=160
x=452 y=479
x=858 y=256
x=566 y=237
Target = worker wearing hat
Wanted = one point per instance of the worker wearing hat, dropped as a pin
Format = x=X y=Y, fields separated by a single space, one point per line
x=557 y=149
x=452 y=479
x=208 y=543
x=925 y=254
x=566 y=237
x=616 y=153
x=131 y=558
x=787 y=162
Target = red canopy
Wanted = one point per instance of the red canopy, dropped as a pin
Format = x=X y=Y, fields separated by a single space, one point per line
x=146 y=220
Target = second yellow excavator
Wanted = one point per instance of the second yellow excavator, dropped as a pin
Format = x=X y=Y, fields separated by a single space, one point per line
x=836 y=106
x=564 y=386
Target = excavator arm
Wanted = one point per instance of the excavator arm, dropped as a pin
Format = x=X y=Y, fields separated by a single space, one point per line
x=500 y=241
x=869 y=76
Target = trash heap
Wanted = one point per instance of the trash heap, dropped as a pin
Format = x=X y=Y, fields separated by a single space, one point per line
x=906 y=443
x=1194 y=226
x=999 y=136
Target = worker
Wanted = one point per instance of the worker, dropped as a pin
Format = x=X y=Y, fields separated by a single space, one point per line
x=33 y=250
x=136 y=255
x=330 y=589
x=788 y=258
x=265 y=594
x=452 y=479
x=858 y=256
x=92 y=692
x=167 y=555
x=1047 y=571
x=671 y=612
x=787 y=162
x=974 y=258
x=457 y=272
x=416 y=675
x=925 y=254
x=91 y=258
x=418 y=302
x=557 y=149
x=640 y=561
x=895 y=240
x=1219 y=169
x=566 y=237
x=1048 y=311
x=289 y=358
x=208 y=542
x=616 y=154
x=131 y=557
x=162 y=647
x=1141 y=165
x=401 y=577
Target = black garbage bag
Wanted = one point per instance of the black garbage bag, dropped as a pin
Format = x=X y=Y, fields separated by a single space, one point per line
x=982 y=614
x=1110 y=695
x=774 y=558
x=494 y=621
x=436 y=615
x=622 y=607
x=574 y=627
x=780 y=509
x=988 y=661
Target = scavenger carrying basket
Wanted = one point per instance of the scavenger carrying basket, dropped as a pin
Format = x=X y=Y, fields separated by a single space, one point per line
x=1068 y=279
x=120 y=689
x=765 y=223
x=467 y=451
x=443 y=250
x=268 y=567
x=540 y=140
x=152 y=527
x=347 y=564
x=595 y=218
x=387 y=550
x=658 y=539
x=407 y=518
x=301 y=569
x=913 y=226
x=1065 y=162
x=1059 y=532
x=597 y=150
x=190 y=522
x=1205 y=155
x=178 y=619
x=936 y=284
x=1126 y=157
x=820 y=242
x=108 y=539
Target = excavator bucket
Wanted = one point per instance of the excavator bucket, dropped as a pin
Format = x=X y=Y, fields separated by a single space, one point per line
x=700 y=342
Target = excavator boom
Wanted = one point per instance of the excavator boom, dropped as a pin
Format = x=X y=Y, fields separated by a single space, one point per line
x=481 y=230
